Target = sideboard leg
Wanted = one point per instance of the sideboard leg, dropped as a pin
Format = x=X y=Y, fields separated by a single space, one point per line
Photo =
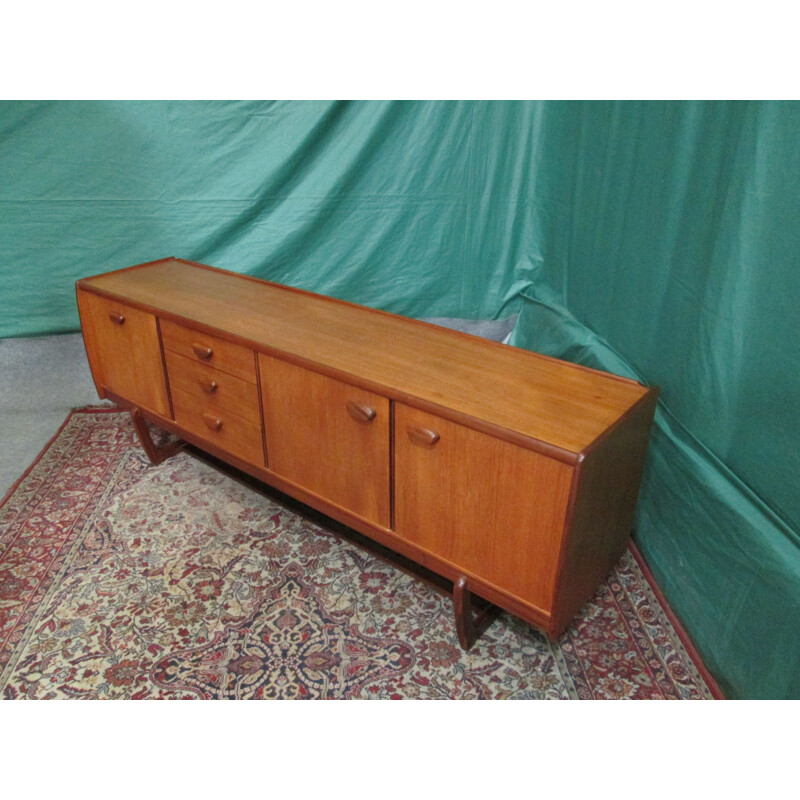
x=469 y=627
x=155 y=453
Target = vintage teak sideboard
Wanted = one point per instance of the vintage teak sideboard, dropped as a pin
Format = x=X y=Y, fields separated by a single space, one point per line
x=511 y=474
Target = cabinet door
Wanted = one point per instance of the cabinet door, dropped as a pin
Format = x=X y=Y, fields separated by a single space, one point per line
x=124 y=351
x=490 y=508
x=328 y=437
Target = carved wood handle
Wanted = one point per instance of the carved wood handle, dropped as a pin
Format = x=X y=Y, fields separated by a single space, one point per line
x=360 y=412
x=423 y=436
x=215 y=423
x=117 y=319
x=209 y=386
x=201 y=351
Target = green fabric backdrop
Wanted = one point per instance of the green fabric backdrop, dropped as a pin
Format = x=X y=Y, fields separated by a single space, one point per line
x=657 y=239
x=399 y=205
x=670 y=252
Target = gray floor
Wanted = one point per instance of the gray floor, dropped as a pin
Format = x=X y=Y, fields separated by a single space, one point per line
x=44 y=377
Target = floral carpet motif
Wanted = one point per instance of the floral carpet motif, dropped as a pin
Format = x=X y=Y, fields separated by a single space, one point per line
x=119 y=579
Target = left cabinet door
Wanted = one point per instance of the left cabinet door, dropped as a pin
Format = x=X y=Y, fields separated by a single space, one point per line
x=124 y=352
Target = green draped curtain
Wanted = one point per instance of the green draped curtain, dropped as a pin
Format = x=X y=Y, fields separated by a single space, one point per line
x=655 y=239
x=400 y=205
x=669 y=251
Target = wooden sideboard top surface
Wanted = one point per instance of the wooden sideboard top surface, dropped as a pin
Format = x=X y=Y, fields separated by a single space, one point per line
x=551 y=401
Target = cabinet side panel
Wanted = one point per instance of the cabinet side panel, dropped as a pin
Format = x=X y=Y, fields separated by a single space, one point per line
x=490 y=508
x=603 y=504
x=89 y=341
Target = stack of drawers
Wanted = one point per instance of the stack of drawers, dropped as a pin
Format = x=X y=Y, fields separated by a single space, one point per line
x=214 y=390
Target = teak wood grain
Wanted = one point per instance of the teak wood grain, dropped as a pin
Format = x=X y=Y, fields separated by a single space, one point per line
x=603 y=501
x=209 y=350
x=124 y=352
x=218 y=390
x=511 y=474
x=563 y=404
x=314 y=440
x=225 y=429
x=489 y=507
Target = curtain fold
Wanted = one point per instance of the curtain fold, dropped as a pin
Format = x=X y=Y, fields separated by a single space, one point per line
x=670 y=235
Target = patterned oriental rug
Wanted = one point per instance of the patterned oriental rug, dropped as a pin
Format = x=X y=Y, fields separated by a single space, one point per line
x=119 y=579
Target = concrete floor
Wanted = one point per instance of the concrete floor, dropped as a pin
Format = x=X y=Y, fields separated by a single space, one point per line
x=44 y=377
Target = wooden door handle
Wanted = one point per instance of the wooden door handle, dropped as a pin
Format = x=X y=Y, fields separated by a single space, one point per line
x=423 y=436
x=215 y=423
x=209 y=386
x=360 y=412
x=201 y=351
x=117 y=319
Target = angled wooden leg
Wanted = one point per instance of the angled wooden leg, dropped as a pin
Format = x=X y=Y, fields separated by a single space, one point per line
x=155 y=453
x=469 y=627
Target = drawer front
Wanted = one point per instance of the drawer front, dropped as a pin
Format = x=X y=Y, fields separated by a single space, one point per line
x=327 y=436
x=124 y=351
x=226 y=430
x=210 y=350
x=489 y=507
x=216 y=389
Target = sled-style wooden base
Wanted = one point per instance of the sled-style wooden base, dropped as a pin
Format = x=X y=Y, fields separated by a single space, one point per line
x=469 y=626
x=154 y=452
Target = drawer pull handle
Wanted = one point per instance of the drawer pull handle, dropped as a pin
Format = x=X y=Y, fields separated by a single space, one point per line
x=423 y=436
x=201 y=351
x=209 y=386
x=360 y=412
x=117 y=319
x=215 y=423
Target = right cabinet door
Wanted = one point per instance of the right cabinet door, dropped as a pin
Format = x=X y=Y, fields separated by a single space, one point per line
x=328 y=437
x=493 y=509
